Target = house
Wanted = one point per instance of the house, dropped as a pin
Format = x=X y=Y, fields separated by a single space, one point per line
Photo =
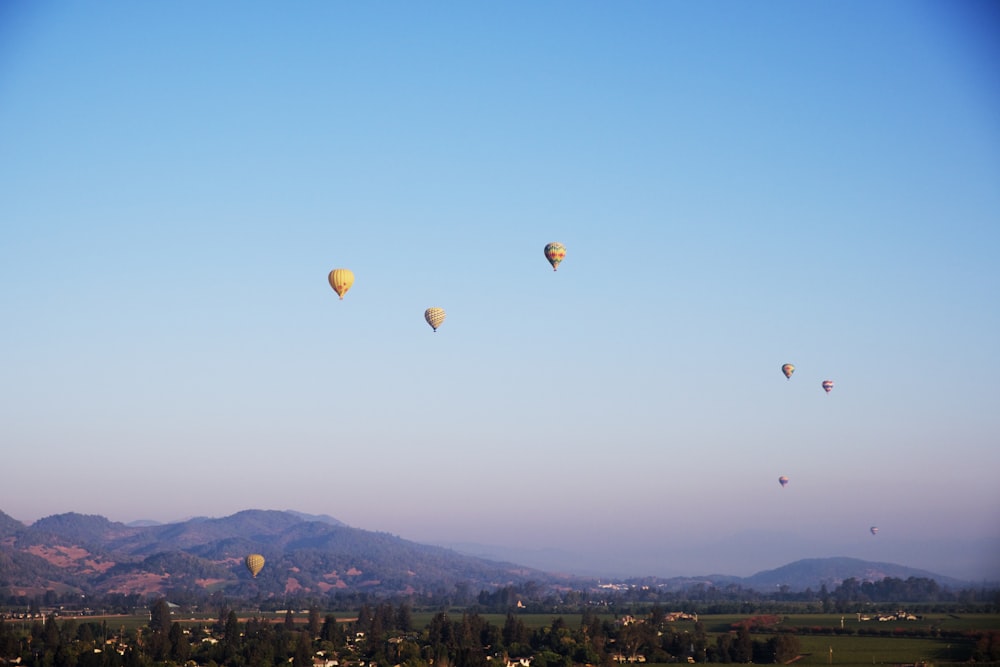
x=680 y=616
x=619 y=658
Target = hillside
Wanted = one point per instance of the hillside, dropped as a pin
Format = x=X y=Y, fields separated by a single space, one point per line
x=9 y=526
x=315 y=555
x=816 y=572
x=89 y=554
x=805 y=574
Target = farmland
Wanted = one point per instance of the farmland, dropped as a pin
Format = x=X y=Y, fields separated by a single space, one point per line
x=558 y=640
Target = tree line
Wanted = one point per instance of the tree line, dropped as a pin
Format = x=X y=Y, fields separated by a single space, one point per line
x=921 y=594
x=384 y=634
x=381 y=634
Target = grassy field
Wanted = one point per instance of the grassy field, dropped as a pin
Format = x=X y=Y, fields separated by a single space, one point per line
x=531 y=621
x=879 y=650
x=722 y=623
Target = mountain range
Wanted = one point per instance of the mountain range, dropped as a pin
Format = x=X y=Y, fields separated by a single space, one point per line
x=88 y=554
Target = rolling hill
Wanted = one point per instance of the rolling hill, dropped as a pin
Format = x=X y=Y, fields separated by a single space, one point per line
x=313 y=555
x=816 y=572
x=90 y=554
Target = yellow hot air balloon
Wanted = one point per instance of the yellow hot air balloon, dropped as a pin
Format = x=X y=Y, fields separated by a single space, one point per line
x=255 y=563
x=434 y=317
x=555 y=253
x=341 y=281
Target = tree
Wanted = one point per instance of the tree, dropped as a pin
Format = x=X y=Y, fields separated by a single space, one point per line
x=514 y=632
x=303 y=651
x=260 y=644
x=404 y=618
x=742 y=650
x=785 y=647
x=332 y=632
x=988 y=646
x=180 y=648
x=365 y=617
x=824 y=596
x=132 y=658
x=314 y=622
x=724 y=648
x=51 y=632
x=551 y=659
x=439 y=631
x=85 y=634
x=159 y=617
x=231 y=630
x=630 y=638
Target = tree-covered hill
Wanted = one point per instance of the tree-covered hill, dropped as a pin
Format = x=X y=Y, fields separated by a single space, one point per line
x=9 y=526
x=815 y=572
x=309 y=555
x=303 y=554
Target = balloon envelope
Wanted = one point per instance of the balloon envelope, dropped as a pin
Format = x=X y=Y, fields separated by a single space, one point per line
x=434 y=317
x=788 y=369
x=555 y=253
x=827 y=385
x=874 y=530
x=783 y=480
x=341 y=281
x=255 y=563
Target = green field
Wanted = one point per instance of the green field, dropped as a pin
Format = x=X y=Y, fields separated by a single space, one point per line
x=880 y=650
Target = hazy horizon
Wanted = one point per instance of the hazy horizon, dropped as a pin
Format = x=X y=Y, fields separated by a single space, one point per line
x=759 y=551
x=738 y=186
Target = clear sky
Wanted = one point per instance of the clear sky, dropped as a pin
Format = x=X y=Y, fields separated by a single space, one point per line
x=738 y=185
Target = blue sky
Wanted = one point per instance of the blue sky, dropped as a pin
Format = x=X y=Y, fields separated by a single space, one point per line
x=738 y=185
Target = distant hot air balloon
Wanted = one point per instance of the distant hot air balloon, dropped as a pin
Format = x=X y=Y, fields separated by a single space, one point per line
x=874 y=530
x=341 y=281
x=255 y=563
x=555 y=253
x=434 y=317
x=783 y=481
x=827 y=385
x=788 y=369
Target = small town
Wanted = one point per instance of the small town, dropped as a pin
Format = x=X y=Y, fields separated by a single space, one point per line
x=387 y=634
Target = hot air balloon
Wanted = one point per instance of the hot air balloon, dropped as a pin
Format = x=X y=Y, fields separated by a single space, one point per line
x=788 y=369
x=783 y=481
x=874 y=530
x=341 y=281
x=555 y=253
x=255 y=563
x=434 y=317
x=827 y=385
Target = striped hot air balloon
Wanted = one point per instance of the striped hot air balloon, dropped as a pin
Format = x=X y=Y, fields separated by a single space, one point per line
x=828 y=386
x=555 y=253
x=783 y=481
